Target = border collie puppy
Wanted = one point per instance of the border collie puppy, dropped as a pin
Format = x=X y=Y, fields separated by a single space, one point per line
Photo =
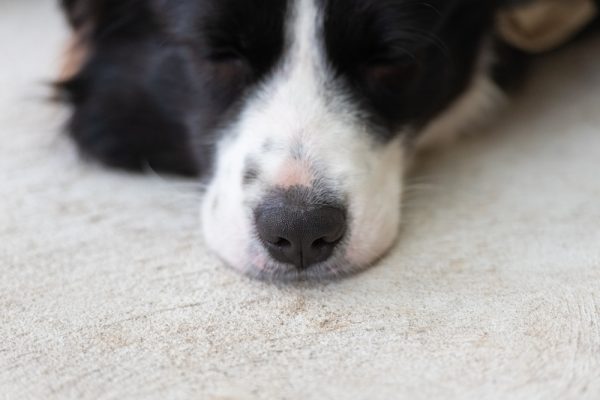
x=301 y=115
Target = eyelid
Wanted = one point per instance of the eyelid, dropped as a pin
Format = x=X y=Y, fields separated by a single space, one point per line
x=216 y=48
x=221 y=49
x=225 y=54
x=392 y=71
x=393 y=58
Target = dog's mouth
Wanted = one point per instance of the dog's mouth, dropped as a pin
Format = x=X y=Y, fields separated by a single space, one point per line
x=293 y=233
x=297 y=233
x=270 y=270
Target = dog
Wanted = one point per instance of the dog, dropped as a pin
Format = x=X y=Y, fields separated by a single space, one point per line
x=300 y=115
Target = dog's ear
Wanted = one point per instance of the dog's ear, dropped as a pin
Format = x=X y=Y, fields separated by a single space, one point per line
x=537 y=26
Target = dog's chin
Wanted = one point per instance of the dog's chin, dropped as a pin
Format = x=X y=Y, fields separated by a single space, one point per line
x=285 y=273
x=274 y=271
x=247 y=256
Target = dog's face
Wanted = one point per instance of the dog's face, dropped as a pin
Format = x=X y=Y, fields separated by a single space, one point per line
x=300 y=113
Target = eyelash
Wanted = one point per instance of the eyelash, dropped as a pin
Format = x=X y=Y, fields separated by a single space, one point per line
x=225 y=54
x=216 y=53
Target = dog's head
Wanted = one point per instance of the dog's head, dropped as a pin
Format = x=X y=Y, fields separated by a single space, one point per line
x=301 y=113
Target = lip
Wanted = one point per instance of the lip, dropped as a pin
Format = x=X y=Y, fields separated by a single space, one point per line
x=290 y=274
x=270 y=270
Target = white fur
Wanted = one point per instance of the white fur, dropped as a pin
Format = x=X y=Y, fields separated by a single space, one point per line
x=300 y=105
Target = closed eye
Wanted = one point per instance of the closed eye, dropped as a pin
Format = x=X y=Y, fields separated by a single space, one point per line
x=214 y=53
x=226 y=54
x=392 y=74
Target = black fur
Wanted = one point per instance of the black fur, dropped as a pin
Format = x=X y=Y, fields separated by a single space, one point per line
x=164 y=75
x=407 y=60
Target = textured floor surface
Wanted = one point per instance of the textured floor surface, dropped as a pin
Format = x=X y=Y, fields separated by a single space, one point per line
x=493 y=291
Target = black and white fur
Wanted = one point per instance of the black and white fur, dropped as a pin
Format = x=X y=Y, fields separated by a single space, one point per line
x=323 y=102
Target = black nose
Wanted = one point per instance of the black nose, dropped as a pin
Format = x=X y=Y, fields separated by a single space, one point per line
x=298 y=232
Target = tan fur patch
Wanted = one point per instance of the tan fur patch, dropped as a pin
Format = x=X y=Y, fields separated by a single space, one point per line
x=75 y=55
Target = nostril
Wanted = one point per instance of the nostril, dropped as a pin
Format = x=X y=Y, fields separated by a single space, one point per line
x=282 y=243
x=325 y=242
x=319 y=243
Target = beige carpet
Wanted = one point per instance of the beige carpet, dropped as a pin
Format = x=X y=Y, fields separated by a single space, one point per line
x=493 y=291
